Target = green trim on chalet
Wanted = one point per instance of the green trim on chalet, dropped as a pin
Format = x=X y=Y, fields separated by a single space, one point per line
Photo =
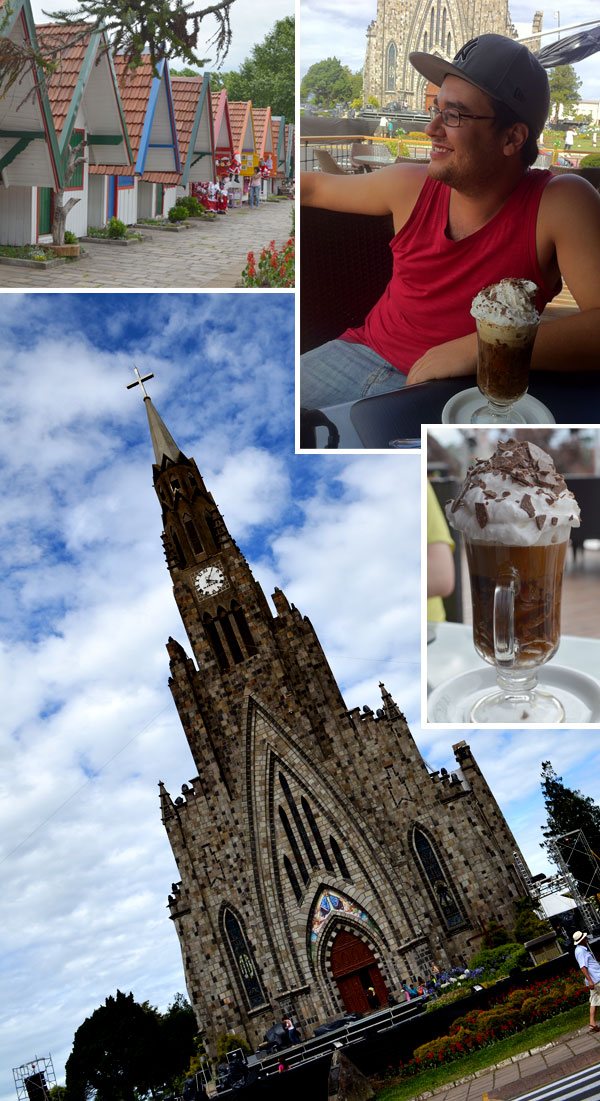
x=204 y=103
x=12 y=13
x=105 y=139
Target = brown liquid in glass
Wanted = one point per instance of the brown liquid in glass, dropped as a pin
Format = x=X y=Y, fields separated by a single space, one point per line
x=538 y=573
x=503 y=370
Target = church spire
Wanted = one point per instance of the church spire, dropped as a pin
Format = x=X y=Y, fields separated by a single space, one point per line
x=162 y=440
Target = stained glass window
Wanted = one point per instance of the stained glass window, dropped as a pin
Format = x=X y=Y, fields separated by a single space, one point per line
x=444 y=895
x=244 y=961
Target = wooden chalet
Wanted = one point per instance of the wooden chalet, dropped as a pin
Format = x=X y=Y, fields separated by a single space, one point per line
x=195 y=132
x=265 y=147
x=29 y=153
x=242 y=129
x=222 y=131
x=150 y=116
x=88 y=114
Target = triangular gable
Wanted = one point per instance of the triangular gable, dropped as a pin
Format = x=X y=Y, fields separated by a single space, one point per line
x=278 y=122
x=242 y=127
x=263 y=131
x=85 y=78
x=222 y=124
x=150 y=116
x=29 y=153
x=193 y=114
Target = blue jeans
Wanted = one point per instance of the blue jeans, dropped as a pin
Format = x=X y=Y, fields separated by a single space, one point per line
x=253 y=196
x=339 y=371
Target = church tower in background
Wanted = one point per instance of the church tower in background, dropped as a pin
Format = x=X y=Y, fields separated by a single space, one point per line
x=433 y=26
x=318 y=854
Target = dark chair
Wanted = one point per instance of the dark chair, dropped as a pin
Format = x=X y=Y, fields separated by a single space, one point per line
x=346 y=265
x=586 y=490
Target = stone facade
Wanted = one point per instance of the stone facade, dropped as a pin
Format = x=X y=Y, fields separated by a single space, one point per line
x=318 y=853
x=433 y=26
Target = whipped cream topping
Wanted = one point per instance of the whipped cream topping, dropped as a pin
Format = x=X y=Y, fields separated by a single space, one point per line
x=509 y=302
x=516 y=498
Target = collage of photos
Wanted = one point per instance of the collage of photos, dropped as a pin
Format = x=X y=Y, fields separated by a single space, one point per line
x=300 y=765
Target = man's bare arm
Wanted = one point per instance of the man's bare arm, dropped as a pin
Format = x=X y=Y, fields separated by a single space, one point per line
x=570 y=220
x=389 y=190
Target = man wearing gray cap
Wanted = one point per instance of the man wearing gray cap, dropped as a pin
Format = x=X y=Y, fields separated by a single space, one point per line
x=591 y=973
x=477 y=213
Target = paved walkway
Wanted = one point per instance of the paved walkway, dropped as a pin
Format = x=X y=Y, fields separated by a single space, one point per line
x=526 y=1072
x=205 y=255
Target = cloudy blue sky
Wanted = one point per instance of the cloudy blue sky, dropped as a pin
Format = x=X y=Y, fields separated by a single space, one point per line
x=337 y=28
x=89 y=727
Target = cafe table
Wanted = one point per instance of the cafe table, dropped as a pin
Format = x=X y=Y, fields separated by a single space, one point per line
x=450 y=654
x=573 y=397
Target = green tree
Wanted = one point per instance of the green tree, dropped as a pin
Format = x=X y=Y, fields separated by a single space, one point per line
x=567 y=811
x=328 y=82
x=528 y=925
x=163 y=28
x=125 y=1050
x=564 y=90
x=267 y=75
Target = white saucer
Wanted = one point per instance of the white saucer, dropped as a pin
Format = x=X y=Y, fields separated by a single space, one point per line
x=579 y=694
x=461 y=407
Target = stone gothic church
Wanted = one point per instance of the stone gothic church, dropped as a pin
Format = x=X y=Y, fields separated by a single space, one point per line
x=318 y=853
x=434 y=26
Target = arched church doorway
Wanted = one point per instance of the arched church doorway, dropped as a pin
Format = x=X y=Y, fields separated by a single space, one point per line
x=355 y=969
x=431 y=92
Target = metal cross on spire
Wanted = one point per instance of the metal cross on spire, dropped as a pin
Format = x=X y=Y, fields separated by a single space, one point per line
x=140 y=380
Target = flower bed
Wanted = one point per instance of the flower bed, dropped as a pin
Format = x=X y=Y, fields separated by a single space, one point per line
x=29 y=256
x=477 y=1028
x=275 y=268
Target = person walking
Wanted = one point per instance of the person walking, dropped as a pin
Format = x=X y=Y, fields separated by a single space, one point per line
x=254 y=188
x=591 y=973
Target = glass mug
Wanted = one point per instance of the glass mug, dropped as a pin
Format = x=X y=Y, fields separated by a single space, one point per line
x=516 y=598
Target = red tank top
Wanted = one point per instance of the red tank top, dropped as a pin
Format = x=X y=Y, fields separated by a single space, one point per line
x=434 y=280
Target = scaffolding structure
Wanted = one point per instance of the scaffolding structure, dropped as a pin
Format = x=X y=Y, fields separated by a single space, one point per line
x=34 y=1080
x=578 y=877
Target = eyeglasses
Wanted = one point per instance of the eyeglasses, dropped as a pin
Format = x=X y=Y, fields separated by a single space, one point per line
x=451 y=117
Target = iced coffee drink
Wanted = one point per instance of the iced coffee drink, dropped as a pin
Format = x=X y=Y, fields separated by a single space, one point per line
x=507 y=323
x=516 y=514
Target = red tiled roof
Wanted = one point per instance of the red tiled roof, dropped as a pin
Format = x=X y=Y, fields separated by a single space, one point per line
x=186 y=93
x=63 y=81
x=238 y=115
x=262 y=116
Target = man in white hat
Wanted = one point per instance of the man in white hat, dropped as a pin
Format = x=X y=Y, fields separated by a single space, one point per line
x=591 y=973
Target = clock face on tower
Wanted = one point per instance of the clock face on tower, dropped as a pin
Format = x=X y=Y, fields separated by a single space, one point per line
x=210 y=581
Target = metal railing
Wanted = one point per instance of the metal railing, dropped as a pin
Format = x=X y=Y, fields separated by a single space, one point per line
x=340 y=149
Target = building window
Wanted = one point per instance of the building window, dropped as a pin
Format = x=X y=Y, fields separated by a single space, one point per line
x=192 y=533
x=432 y=27
x=298 y=823
x=339 y=859
x=179 y=555
x=243 y=959
x=441 y=888
x=310 y=818
x=444 y=20
x=292 y=878
x=390 y=68
x=449 y=45
x=289 y=833
x=242 y=625
x=425 y=41
x=213 y=636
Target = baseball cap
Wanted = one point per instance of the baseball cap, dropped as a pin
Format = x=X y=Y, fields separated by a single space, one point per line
x=578 y=937
x=501 y=67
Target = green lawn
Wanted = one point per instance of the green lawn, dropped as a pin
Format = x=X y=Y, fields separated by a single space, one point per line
x=535 y=1036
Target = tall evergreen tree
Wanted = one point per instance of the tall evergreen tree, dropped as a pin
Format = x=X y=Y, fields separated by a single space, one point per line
x=564 y=90
x=569 y=811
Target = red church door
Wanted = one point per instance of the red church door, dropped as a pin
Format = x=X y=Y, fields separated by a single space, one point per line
x=431 y=92
x=355 y=969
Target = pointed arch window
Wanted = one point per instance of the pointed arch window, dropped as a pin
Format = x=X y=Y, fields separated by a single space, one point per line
x=449 y=45
x=298 y=823
x=213 y=636
x=314 y=829
x=442 y=889
x=192 y=533
x=339 y=859
x=432 y=27
x=390 y=67
x=444 y=21
x=425 y=40
x=294 y=846
x=243 y=628
x=230 y=636
x=243 y=960
x=293 y=878
x=177 y=547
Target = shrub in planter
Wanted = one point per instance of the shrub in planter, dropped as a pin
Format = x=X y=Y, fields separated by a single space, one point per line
x=499 y=962
x=116 y=228
x=192 y=206
x=70 y=237
x=177 y=213
x=591 y=160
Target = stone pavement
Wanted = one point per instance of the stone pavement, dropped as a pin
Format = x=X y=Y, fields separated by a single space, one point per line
x=527 y=1071
x=205 y=255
